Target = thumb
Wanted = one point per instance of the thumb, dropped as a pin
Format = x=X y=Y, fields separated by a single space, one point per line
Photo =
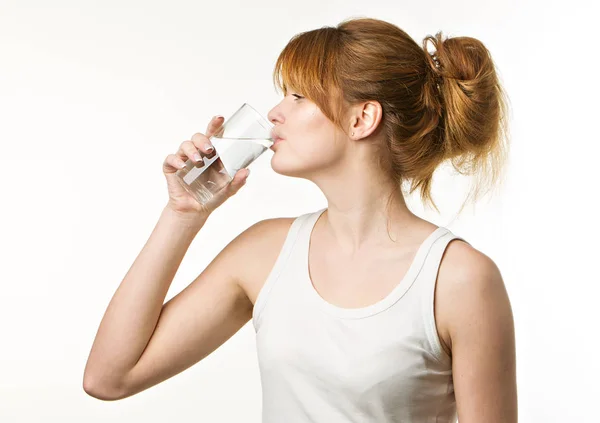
x=238 y=181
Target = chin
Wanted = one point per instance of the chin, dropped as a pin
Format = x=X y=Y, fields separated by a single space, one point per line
x=281 y=167
x=307 y=165
x=286 y=167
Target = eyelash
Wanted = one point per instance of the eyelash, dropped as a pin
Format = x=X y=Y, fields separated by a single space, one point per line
x=298 y=97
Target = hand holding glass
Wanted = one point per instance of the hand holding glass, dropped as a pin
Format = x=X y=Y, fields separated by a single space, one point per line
x=240 y=140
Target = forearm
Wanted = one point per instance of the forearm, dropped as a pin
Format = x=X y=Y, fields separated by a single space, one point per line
x=134 y=310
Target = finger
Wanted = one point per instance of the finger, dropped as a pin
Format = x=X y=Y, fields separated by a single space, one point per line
x=173 y=163
x=188 y=150
x=202 y=143
x=214 y=124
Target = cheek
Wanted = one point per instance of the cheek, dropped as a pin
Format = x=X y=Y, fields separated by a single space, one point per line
x=311 y=144
x=313 y=136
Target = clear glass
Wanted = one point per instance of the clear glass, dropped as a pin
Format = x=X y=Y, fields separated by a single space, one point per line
x=241 y=139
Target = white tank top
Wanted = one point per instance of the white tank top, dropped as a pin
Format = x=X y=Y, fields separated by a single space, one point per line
x=325 y=364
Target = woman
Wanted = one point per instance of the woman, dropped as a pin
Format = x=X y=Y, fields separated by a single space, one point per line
x=364 y=312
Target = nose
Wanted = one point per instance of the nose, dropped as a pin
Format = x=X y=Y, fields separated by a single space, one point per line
x=275 y=116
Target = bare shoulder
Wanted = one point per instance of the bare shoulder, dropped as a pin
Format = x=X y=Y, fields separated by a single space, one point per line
x=256 y=251
x=475 y=319
x=467 y=277
x=463 y=263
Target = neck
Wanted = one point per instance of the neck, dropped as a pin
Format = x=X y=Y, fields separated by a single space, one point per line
x=365 y=208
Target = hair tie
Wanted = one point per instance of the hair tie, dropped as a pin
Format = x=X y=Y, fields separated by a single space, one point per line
x=433 y=60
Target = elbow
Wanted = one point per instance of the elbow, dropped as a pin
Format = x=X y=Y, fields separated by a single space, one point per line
x=102 y=391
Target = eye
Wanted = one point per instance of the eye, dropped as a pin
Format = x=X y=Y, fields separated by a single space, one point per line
x=298 y=97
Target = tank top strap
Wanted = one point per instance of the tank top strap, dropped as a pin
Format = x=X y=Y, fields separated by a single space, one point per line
x=296 y=235
x=426 y=284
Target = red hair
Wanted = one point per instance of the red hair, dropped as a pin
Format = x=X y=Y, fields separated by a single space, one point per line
x=443 y=106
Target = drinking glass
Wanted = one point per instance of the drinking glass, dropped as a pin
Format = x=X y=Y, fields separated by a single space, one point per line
x=239 y=141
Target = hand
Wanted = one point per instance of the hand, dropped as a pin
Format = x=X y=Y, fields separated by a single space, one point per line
x=179 y=199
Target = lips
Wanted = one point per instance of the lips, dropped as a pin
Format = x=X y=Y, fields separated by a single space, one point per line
x=275 y=136
x=276 y=139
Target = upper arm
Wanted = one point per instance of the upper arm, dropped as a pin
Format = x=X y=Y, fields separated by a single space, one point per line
x=201 y=317
x=477 y=315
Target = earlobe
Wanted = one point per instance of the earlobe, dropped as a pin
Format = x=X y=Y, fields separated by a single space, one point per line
x=352 y=126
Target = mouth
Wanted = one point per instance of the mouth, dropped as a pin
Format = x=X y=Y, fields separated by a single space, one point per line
x=276 y=141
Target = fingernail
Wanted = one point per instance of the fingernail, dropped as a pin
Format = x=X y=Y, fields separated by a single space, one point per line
x=182 y=165
x=208 y=147
x=219 y=117
x=197 y=157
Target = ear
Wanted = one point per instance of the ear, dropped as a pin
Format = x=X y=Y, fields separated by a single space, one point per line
x=365 y=119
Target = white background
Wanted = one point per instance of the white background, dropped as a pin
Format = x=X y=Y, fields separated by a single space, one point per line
x=95 y=94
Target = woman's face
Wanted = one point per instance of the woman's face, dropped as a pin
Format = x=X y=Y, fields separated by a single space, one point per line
x=310 y=144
